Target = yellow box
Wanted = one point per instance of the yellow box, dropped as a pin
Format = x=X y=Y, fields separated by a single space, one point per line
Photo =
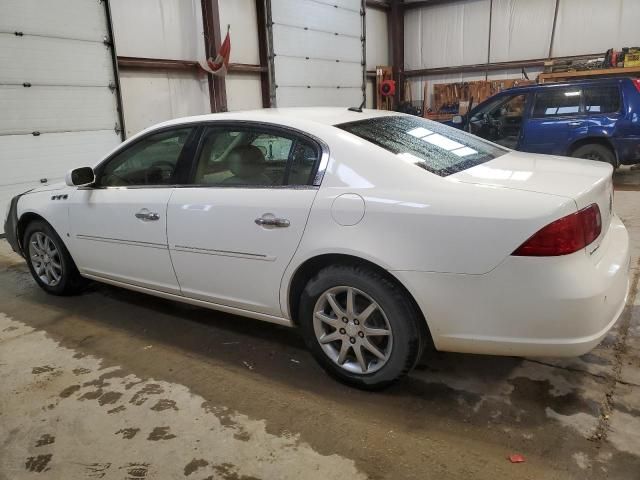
x=632 y=60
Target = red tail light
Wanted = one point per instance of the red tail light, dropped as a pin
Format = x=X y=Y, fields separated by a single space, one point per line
x=636 y=82
x=564 y=236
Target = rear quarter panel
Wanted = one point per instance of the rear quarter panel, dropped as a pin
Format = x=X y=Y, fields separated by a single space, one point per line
x=417 y=221
x=627 y=133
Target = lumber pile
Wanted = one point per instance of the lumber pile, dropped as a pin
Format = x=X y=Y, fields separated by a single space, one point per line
x=454 y=98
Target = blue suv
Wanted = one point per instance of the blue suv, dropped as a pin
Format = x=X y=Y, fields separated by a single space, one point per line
x=595 y=119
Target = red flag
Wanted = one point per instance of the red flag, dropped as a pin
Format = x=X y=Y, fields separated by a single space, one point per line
x=219 y=65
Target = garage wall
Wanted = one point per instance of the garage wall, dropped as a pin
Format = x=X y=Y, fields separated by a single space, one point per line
x=159 y=29
x=317 y=50
x=457 y=34
x=590 y=26
x=243 y=89
x=150 y=97
x=377 y=47
x=57 y=91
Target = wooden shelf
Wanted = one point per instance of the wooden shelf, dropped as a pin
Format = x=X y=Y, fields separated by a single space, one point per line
x=554 y=77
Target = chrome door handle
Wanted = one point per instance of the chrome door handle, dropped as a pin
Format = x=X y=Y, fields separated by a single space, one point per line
x=272 y=222
x=575 y=124
x=147 y=216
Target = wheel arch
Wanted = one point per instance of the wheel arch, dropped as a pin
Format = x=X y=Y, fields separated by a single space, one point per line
x=24 y=220
x=310 y=267
x=29 y=216
x=599 y=140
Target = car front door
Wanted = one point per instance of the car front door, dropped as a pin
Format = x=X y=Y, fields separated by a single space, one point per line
x=500 y=121
x=118 y=225
x=233 y=231
x=555 y=122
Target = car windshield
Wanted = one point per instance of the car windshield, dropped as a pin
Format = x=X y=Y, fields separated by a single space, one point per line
x=432 y=146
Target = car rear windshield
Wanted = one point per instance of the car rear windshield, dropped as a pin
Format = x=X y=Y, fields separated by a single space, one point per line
x=435 y=147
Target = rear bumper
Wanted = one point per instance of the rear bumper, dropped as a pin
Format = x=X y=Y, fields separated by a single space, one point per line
x=557 y=306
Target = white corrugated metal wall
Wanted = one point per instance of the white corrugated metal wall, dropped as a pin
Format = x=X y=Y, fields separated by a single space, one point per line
x=243 y=89
x=317 y=52
x=159 y=29
x=377 y=47
x=172 y=29
x=57 y=91
x=457 y=34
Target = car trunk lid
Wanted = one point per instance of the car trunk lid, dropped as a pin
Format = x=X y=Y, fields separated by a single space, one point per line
x=584 y=181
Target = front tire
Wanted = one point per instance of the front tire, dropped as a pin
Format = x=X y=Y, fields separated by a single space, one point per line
x=596 y=151
x=360 y=326
x=49 y=261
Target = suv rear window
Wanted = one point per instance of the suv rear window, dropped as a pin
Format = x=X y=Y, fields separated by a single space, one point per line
x=432 y=146
x=601 y=99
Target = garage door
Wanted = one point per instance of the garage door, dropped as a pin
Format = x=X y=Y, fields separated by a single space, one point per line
x=317 y=52
x=58 y=94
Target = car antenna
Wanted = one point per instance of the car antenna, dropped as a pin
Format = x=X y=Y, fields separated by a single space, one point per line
x=357 y=109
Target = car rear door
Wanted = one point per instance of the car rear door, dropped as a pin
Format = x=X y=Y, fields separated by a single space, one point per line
x=555 y=121
x=233 y=230
x=118 y=226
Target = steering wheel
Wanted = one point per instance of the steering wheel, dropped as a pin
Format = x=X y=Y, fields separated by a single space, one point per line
x=495 y=127
x=166 y=169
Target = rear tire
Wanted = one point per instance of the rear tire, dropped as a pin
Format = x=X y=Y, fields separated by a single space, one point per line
x=49 y=261
x=360 y=326
x=596 y=151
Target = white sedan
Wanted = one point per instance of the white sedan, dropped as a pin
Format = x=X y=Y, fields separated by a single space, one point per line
x=377 y=234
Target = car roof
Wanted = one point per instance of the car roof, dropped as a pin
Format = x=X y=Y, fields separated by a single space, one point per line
x=321 y=115
x=575 y=83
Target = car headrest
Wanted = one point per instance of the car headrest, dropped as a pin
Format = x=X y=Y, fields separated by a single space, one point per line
x=246 y=161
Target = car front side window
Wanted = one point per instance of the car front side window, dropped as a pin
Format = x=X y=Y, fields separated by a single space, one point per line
x=502 y=122
x=253 y=158
x=150 y=161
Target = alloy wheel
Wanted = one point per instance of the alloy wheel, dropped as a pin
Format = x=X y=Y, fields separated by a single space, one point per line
x=45 y=259
x=352 y=330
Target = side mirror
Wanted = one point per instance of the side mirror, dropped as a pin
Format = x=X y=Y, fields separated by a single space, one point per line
x=457 y=119
x=80 y=177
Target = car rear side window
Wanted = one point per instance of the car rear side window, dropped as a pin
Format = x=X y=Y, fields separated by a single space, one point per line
x=254 y=157
x=557 y=102
x=604 y=99
x=435 y=147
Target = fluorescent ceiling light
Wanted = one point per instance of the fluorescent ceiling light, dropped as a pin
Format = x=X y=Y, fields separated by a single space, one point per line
x=463 y=152
x=419 y=132
x=442 y=142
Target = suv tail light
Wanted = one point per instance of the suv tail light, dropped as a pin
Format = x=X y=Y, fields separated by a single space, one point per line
x=636 y=82
x=564 y=236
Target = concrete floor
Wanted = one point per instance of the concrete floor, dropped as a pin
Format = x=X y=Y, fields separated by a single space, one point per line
x=114 y=384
